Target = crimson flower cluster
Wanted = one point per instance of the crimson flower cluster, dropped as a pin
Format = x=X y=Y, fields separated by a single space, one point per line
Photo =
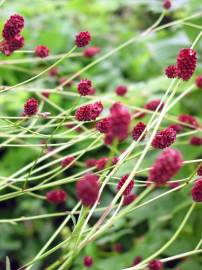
x=130 y=186
x=41 y=51
x=197 y=190
x=164 y=138
x=155 y=265
x=154 y=104
x=121 y=90
x=138 y=130
x=88 y=261
x=82 y=39
x=89 y=112
x=103 y=125
x=84 y=87
x=11 y=33
x=189 y=121
x=67 y=161
x=167 y=164
x=199 y=171
x=56 y=196
x=195 y=140
x=31 y=107
x=91 y=51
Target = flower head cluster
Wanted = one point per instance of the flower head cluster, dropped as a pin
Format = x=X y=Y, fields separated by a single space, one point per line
x=11 y=33
x=153 y=105
x=31 y=107
x=67 y=161
x=130 y=186
x=198 y=81
x=84 y=87
x=137 y=260
x=41 y=51
x=56 y=196
x=195 y=140
x=171 y=71
x=155 y=265
x=88 y=261
x=167 y=164
x=91 y=51
x=121 y=90
x=128 y=199
x=91 y=162
x=197 y=190
x=138 y=130
x=103 y=125
x=164 y=138
x=177 y=127
x=101 y=163
x=82 y=39
x=89 y=112
x=199 y=171
x=189 y=121
x=167 y=4
x=87 y=189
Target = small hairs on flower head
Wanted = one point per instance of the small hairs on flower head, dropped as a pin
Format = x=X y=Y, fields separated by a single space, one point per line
x=91 y=51
x=198 y=81
x=121 y=90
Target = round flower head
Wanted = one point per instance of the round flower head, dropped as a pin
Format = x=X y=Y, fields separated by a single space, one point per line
x=91 y=162
x=164 y=138
x=153 y=105
x=155 y=265
x=82 y=39
x=31 y=107
x=41 y=51
x=121 y=90
x=199 y=171
x=171 y=71
x=128 y=199
x=197 y=190
x=87 y=189
x=91 y=51
x=101 y=163
x=84 y=87
x=138 y=130
x=103 y=125
x=53 y=72
x=119 y=121
x=137 y=260
x=88 y=261
x=167 y=164
x=167 y=4
x=177 y=127
x=56 y=196
x=195 y=140
x=67 y=161
x=186 y=63
x=189 y=120
x=13 y=27
x=7 y=47
x=198 y=81
x=89 y=112
x=130 y=186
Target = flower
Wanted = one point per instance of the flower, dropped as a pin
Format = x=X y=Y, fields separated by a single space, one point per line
x=186 y=63
x=41 y=51
x=121 y=90
x=195 y=140
x=155 y=265
x=153 y=105
x=89 y=112
x=138 y=114
x=91 y=162
x=88 y=261
x=199 y=171
x=91 y=51
x=87 y=189
x=53 y=72
x=137 y=260
x=103 y=125
x=164 y=138
x=84 y=87
x=56 y=196
x=177 y=127
x=101 y=163
x=167 y=164
x=167 y=4
x=7 y=47
x=130 y=186
x=46 y=94
x=189 y=121
x=171 y=71
x=197 y=190
x=13 y=27
x=67 y=161
x=138 y=130
x=128 y=199
x=198 y=81
x=108 y=139
x=82 y=39
x=31 y=107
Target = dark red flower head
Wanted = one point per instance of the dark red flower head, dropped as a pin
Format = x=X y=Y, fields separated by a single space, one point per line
x=167 y=164
x=138 y=130
x=153 y=105
x=198 y=81
x=84 y=87
x=197 y=190
x=82 y=39
x=171 y=71
x=164 y=138
x=103 y=125
x=41 y=51
x=167 y=4
x=128 y=199
x=189 y=120
x=130 y=186
x=138 y=114
x=155 y=265
x=31 y=107
x=7 y=47
x=91 y=162
x=121 y=90
x=88 y=261
x=89 y=112
x=67 y=161
x=56 y=196
x=91 y=51
x=101 y=163
x=13 y=27
x=87 y=189
x=137 y=260
x=195 y=140
x=199 y=171
x=46 y=94
x=186 y=63
x=177 y=127
x=108 y=139
x=53 y=72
